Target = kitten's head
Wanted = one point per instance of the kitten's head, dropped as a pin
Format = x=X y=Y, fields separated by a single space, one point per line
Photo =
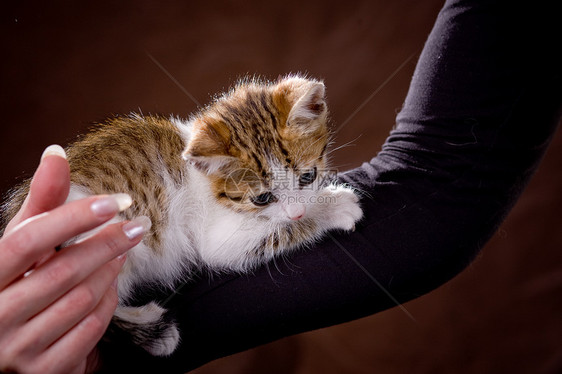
x=263 y=145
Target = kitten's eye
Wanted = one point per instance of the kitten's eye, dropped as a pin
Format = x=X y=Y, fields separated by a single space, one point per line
x=307 y=178
x=263 y=199
x=235 y=199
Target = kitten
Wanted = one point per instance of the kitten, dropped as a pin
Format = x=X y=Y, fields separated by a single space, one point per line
x=240 y=182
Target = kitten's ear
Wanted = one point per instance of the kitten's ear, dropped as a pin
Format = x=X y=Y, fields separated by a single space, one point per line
x=307 y=102
x=209 y=148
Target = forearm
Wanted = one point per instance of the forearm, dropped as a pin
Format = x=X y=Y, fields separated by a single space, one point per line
x=482 y=106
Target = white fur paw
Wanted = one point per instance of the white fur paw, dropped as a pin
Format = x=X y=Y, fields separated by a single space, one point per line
x=343 y=209
x=149 y=328
x=165 y=344
x=141 y=315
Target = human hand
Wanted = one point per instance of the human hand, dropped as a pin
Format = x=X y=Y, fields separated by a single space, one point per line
x=52 y=317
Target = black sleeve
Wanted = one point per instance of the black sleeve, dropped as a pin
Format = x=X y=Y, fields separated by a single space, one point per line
x=483 y=104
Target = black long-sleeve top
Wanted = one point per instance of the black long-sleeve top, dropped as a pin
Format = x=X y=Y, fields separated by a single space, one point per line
x=482 y=106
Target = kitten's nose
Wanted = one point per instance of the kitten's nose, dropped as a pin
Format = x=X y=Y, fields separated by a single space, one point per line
x=295 y=211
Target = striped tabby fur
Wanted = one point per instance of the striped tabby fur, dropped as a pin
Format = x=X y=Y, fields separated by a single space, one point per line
x=241 y=181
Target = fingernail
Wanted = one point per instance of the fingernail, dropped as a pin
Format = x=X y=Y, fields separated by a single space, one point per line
x=137 y=227
x=54 y=150
x=111 y=204
x=114 y=284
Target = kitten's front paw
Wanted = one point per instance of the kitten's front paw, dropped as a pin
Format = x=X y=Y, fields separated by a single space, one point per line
x=343 y=208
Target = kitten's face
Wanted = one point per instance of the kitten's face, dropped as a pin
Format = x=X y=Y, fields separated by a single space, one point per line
x=263 y=146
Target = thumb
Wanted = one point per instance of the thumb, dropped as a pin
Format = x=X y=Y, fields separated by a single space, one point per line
x=49 y=186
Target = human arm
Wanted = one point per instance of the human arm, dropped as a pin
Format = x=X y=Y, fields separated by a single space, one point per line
x=483 y=104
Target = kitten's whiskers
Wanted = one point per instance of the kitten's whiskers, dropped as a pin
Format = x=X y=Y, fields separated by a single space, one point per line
x=301 y=151
x=345 y=145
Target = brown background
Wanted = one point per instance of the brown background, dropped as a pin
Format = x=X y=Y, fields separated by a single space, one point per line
x=65 y=66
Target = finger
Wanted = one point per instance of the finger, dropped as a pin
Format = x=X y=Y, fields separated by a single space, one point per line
x=59 y=318
x=71 y=266
x=82 y=339
x=49 y=186
x=72 y=349
x=35 y=237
